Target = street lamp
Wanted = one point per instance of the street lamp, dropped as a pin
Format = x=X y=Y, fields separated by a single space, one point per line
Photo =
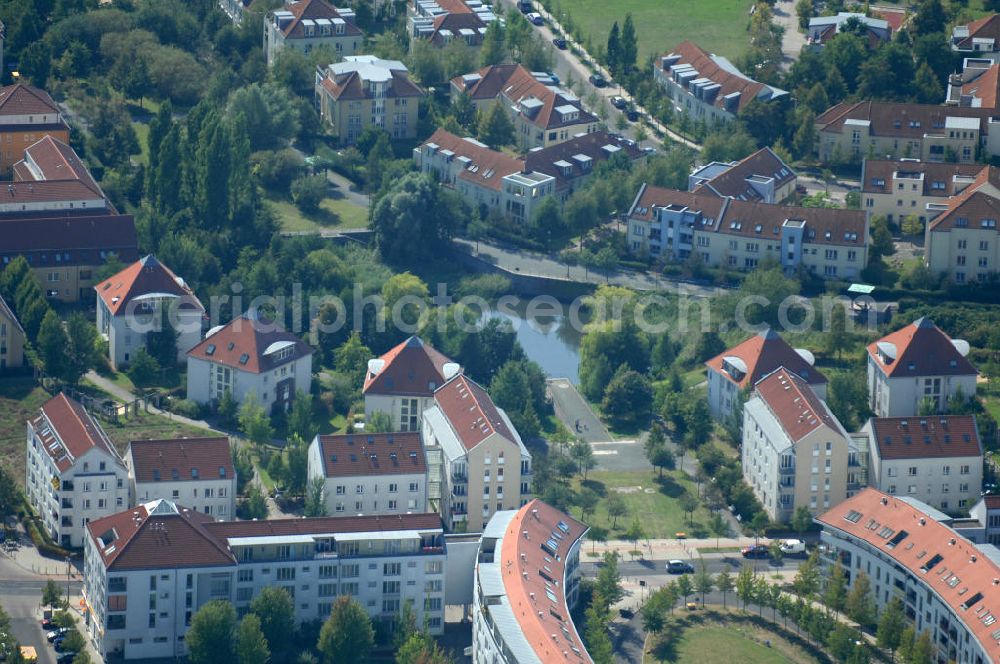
x=67 y=581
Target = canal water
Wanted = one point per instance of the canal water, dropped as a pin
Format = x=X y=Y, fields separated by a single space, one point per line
x=549 y=339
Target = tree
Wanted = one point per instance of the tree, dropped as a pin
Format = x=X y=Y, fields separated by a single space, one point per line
x=251 y=646
x=653 y=620
x=930 y=18
x=596 y=636
x=143 y=368
x=612 y=56
x=891 y=623
x=688 y=504
x=703 y=580
x=708 y=345
x=608 y=584
x=74 y=641
x=587 y=500
x=227 y=408
x=759 y=524
x=718 y=526
x=274 y=608
x=804 y=10
x=378 y=421
x=724 y=582
x=628 y=397
x=583 y=454
x=315 y=504
x=922 y=651
x=881 y=245
x=616 y=507
x=804 y=140
x=801 y=520
x=51 y=594
x=860 y=604
x=635 y=532
x=745 y=585
x=629 y=46
x=413 y=220
x=494 y=50
x=420 y=648
x=495 y=127
x=927 y=88
x=806 y=581
x=210 y=637
x=347 y=635
x=684 y=587
x=308 y=191
x=52 y=344
x=255 y=505
x=352 y=357
x=837 y=337
x=10 y=493
x=161 y=343
x=835 y=595
x=662 y=458
x=254 y=422
x=300 y=429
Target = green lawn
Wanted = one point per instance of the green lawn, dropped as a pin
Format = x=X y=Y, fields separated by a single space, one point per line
x=719 y=644
x=147 y=425
x=20 y=399
x=718 y=26
x=142 y=133
x=334 y=214
x=650 y=499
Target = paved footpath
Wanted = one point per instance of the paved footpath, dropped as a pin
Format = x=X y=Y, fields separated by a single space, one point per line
x=572 y=410
x=124 y=395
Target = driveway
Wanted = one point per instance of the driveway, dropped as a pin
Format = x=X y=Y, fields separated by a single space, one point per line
x=793 y=40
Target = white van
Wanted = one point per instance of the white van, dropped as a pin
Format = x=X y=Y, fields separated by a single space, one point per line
x=793 y=547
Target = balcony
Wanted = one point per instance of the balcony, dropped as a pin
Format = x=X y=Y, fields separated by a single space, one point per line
x=786 y=470
x=459 y=478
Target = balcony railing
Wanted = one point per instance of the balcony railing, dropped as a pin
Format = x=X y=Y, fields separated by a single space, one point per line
x=787 y=470
x=459 y=478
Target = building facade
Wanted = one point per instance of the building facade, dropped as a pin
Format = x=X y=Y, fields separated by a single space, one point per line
x=916 y=365
x=526 y=585
x=149 y=569
x=73 y=473
x=795 y=452
x=937 y=460
x=27 y=114
x=477 y=463
x=762 y=176
x=442 y=22
x=381 y=473
x=896 y=189
x=402 y=382
x=137 y=301
x=249 y=356
x=961 y=241
x=731 y=374
x=980 y=38
x=307 y=24
x=910 y=551
x=363 y=91
x=11 y=338
x=193 y=471
x=708 y=87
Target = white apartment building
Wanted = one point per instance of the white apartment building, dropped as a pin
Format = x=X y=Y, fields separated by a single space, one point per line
x=149 y=569
x=379 y=473
x=249 y=355
x=911 y=551
x=73 y=474
x=937 y=460
x=795 y=451
x=735 y=371
x=468 y=441
x=402 y=382
x=962 y=240
x=983 y=524
x=307 y=24
x=135 y=301
x=526 y=585
x=192 y=471
x=896 y=189
x=916 y=364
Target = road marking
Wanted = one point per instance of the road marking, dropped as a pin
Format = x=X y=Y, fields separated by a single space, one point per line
x=614 y=442
x=605 y=452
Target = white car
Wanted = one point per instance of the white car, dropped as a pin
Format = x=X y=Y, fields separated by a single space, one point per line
x=535 y=18
x=793 y=547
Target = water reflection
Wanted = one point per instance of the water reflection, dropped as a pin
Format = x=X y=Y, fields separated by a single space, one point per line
x=547 y=339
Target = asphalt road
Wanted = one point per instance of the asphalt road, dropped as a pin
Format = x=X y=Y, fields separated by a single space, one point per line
x=657 y=568
x=20 y=600
x=575 y=413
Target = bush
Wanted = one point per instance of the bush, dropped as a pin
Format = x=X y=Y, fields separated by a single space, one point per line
x=278 y=168
x=488 y=286
x=308 y=192
x=185 y=408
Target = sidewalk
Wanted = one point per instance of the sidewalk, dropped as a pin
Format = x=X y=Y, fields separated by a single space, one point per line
x=126 y=396
x=665 y=549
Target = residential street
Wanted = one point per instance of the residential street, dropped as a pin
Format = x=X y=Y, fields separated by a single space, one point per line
x=792 y=40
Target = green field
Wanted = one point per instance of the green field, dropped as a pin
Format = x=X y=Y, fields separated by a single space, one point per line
x=650 y=499
x=719 y=644
x=334 y=214
x=718 y=26
x=20 y=399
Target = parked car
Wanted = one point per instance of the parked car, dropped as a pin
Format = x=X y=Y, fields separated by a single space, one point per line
x=756 y=551
x=535 y=18
x=48 y=624
x=627 y=614
x=692 y=606
x=524 y=6
x=632 y=115
x=598 y=81
x=560 y=43
x=679 y=567
x=56 y=633
x=619 y=102
x=59 y=644
x=793 y=547
x=65 y=658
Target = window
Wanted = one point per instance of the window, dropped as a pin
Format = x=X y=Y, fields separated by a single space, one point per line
x=414 y=487
x=327 y=572
x=912 y=471
x=390 y=587
x=341 y=489
x=964 y=470
x=391 y=569
x=244 y=575
x=327 y=589
x=393 y=487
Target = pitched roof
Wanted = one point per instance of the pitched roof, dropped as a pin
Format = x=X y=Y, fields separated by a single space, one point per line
x=527 y=565
x=651 y=197
x=411 y=368
x=984 y=88
x=963 y=577
x=385 y=523
x=352 y=455
x=992 y=501
x=454 y=22
x=759 y=356
x=719 y=71
x=794 y=404
x=23 y=99
x=487 y=167
x=733 y=181
x=182 y=459
x=157 y=535
x=67 y=431
x=8 y=313
x=470 y=411
x=898 y=119
x=486 y=83
x=348 y=80
x=250 y=343
x=51 y=159
x=939 y=179
x=919 y=349
x=314 y=9
x=987 y=27
x=582 y=153
x=933 y=437
x=147 y=276
x=88 y=239
x=976 y=206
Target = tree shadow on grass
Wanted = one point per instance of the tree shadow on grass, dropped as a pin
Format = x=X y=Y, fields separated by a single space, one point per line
x=322 y=217
x=670 y=487
x=17 y=388
x=597 y=487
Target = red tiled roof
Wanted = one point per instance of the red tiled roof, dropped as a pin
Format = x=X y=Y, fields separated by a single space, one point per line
x=525 y=564
x=157 y=535
x=492 y=165
x=919 y=349
x=651 y=197
x=926 y=437
x=182 y=459
x=733 y=181
x=455 y=22
x=900 y=531
x=707 y=67
x=243 y=342
x=992 y=501
x=762 y=354
x=987 y=27
x=590 y=145
x=83 y=237
x=984 y=87
x=372 y=454
x=898 y=119
x=51 y=159
x=470 y=411
x=74 y=427
x=19 y=193
x=794 y=404
x=973 y=205
x=411 y=368
x=327 y=524
x=313 y=9
x=895 y=18
x=883 y=170
x=23 y=99
x=144 y=277
x=489 y=84
x=350 y=86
